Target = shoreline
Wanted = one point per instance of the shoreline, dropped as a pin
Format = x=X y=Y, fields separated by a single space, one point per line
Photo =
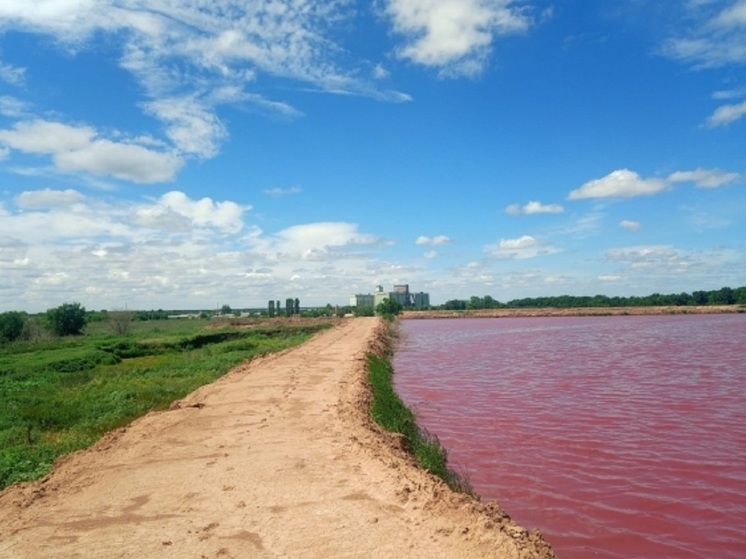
x=576 y=311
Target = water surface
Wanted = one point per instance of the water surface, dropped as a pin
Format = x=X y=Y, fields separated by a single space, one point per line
x=618 y=437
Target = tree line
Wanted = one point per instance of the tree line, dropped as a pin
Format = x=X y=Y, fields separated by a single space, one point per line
x=722 y=296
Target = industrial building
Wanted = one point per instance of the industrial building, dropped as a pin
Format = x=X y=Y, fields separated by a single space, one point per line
x=401 y=294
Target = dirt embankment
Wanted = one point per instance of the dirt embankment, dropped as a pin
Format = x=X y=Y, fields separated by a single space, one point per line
x=276 y=459
x=580 y=311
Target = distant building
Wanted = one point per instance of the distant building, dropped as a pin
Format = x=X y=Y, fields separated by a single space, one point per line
x=362 y=300
x=401 y=294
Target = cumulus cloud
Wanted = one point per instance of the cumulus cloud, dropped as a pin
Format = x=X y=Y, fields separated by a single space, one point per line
x=173 y=251
x=432 y=241
x=519 y=248
x=630 y=225
x=224 y=216
x=622 y=183
x=534 y=207
x=454 y=36
x=726 y=114
x=82 y=149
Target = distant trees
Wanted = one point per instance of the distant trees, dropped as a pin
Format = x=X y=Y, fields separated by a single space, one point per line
x=722 y=296
x=67 y=320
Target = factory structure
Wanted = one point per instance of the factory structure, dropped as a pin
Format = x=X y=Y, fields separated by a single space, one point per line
x=400 y=293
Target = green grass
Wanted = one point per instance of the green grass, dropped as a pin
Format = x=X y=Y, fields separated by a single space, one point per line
x=390 y=412
x=61 y=395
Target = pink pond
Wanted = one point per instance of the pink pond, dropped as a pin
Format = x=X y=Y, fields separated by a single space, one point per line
x=618 y=437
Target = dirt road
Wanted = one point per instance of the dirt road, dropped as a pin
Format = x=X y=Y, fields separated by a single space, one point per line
x=276 y=459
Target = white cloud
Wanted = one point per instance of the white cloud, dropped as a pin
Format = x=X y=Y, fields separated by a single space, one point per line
x=170 y=252
x=192 y=56
x=519 y=248
x=175 y=207
x=630 y=225
x=534 y=207
x=12 y=107
x=81 y=149
x=704 y=178
x=279 y=191
x=454 y=36
x=726 y=114
x=717 y=37
x=622 y=183
x=191 y=126
x=47 y=198
x=430 y=254
x=438 y=240
x=12 y=74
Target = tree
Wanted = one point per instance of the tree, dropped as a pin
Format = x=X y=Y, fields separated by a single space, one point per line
x=67 y=320
x=225 y=309
x=389 y=307
x=271 y=309
x=11 y=326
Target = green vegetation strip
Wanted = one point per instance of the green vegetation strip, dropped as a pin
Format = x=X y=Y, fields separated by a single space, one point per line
x=62 y=394
x=392 y=414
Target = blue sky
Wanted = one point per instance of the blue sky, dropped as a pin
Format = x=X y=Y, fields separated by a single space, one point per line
x=189 y=154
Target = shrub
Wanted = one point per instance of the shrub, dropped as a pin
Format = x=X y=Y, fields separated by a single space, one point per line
x=67 y=320
x=11 y=326
x=389 y=307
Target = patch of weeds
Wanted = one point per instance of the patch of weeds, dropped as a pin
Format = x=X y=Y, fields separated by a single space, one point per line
x=390 y=412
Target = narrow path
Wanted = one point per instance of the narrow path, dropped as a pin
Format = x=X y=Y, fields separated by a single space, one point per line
x=276 y=459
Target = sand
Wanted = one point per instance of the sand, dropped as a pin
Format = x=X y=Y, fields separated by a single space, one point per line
x=276 y=459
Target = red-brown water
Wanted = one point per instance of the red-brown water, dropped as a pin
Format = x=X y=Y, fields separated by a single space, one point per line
x=618 y=437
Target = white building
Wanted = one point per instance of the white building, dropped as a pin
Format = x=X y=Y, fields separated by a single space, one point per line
x=401 y=294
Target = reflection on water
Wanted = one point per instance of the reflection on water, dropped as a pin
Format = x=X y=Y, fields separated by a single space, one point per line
x=618 y=437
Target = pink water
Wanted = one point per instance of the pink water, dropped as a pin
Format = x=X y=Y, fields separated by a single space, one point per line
x=617 y=437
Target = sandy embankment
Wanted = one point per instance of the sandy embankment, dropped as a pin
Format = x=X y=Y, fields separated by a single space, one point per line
x=276 y=459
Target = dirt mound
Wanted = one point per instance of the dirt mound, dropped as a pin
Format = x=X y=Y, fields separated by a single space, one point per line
x=278 y=458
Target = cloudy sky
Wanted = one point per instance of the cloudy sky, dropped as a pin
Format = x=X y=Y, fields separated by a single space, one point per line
x=193 y=153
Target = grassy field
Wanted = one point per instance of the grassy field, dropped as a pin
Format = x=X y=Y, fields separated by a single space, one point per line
x=62 y=394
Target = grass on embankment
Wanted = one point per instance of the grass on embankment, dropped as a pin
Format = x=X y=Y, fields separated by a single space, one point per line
x=390 y=412
x=62 y=394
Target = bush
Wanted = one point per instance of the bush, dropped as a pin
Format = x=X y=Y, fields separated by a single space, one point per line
x=67 y=320
x=389 y=307
x=11 y=326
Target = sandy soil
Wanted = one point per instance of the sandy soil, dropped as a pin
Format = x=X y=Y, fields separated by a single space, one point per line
x=276 y=459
